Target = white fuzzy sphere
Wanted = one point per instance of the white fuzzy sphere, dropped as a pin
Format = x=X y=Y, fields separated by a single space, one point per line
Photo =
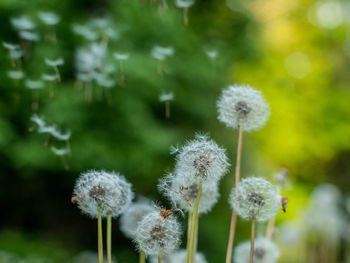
x=109 y=190
x=155 y=232
x=183 y=193
x=241 y=104
x=201 y=159
x=255 y=198
x=265 y=251
x=131 y=218
x=179 y=257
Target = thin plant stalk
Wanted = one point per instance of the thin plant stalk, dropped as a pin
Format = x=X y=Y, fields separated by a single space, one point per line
x=142 y=257
x=189 y=255
x=99 y=231
x=186 y=16
x=160 y=255
x=109 y=238
x=270 y=228
x=234 y=214
x=189 y=230
x=58 y=75
x=167 y=109
x=195 y=241
x=251 y=259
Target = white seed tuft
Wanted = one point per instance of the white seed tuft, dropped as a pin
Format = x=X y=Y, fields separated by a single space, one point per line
x=265 y=251
x=243 y=105
x=164 y=96
x=183 y=193
x=49 y=18
x=255 y=199
x=108 y=190
x=201 y=159
x=157 y=232
x=132 y=216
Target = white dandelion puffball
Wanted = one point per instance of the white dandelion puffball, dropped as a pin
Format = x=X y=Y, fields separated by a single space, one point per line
x=107 y=190
x=255 y=199
x=243 y=105
x=179 y=257
x=201 y=159
x=265 y=251
x=158 y=231
x=132 y=216
x=49 y=18
x=22 y=23
x=163 y=97
x=183 y=193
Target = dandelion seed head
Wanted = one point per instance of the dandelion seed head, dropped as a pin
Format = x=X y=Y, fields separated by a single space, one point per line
x=22 y=23
x=202 y=159
x=183 y=193
x=29 y=36
x=265 y=251
x=166 y=96
x=131 y=218
x=49 y=18
x=34 y=84
x=255 y=199
x=108 y=190
x=156 y=231
x=184 y=3
x=54 y=62
x=243 y=105
x=15 y=74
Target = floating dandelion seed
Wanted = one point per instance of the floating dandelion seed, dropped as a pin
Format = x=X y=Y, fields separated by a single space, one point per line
x=183 y=193
x=121 y=57
x=166 y=98
x=161 y=54
x=49 y=18
x=265 y=251
x=15 y=74
x=255 y=199
x=15 y=53
x=241 y=105
x=85 y=32
x=22 y=23
x=185 y=4
x=212 y=55
x=50 y=78
x=158 y=233
x=34 y=85
x=62 y=152
x=29 y=36
x=54 y=64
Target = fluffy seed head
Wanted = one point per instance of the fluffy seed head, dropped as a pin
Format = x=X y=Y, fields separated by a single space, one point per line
x=255 y=198
x=179 y=257
x=265 y=251
x=243 y=105
x=183 y=193
x=131 y=218
x=158 y=230
x=201 y=159
x=108 y=190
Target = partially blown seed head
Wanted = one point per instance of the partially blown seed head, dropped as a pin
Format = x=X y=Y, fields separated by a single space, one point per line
x=131 y=218
x=243 y=105
x=108 y=190
x=201 y=159
x=183 y=193
x=158 y=230
x=255 y=199
x=265 y=251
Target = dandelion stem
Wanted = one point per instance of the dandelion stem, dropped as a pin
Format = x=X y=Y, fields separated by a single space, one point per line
x=195 y=241
x=58 y=75
x=167 y=109
x=270 y=228
x=189 y=231
x=142 y=257
x=190 y=255
x=251 y=259
x=99 y=231
x=186 y=16
x=160 y=255
x=109 y=238
x=234 y=214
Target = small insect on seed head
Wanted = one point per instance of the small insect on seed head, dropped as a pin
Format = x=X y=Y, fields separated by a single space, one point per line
x=284 y=203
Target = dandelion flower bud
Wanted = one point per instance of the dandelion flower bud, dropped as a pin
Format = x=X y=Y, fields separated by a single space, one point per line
x=265 y=251
x=202 y=159
x=255 y=199
x=158 y=231
x=107 y=190
x=131 y=218
x=243 y=105
x=179 y=257
x=183 y=193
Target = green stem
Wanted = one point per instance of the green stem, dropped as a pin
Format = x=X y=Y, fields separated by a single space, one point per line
x=142 y=257
x=188 y=234
x=251 y=259
x=109 y=238
x=234 y=214
x=99 y=231
x=195 y=240
x=160 y=255
x=190 y=254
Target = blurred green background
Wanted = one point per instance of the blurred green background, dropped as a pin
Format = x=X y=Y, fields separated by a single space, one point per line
x=296 y=52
